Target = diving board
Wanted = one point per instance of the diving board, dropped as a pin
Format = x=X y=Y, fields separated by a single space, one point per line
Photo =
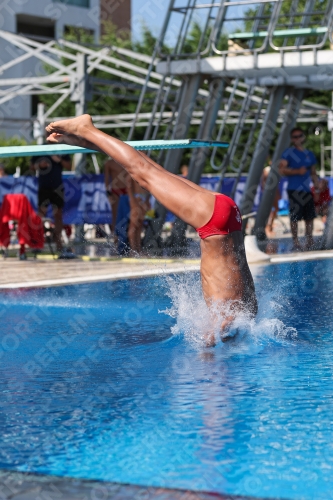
x=60 y=149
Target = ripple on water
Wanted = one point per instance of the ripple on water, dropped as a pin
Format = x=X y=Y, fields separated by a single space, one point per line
x=133 y=396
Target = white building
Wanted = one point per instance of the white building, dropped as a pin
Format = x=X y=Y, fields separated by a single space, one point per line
x=41 y=20
x=49 y=18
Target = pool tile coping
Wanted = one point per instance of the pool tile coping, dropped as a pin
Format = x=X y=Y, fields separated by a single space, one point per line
x=106 y=277
x=133 y=268
x=31 y=486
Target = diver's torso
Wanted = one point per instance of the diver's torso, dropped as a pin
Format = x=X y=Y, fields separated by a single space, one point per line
x=225 y=273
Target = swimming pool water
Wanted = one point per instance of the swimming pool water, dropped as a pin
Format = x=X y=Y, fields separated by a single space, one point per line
x=94 y=384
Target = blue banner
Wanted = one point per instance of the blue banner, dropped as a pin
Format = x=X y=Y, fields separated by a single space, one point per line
x=86 y=200
x=211 y=183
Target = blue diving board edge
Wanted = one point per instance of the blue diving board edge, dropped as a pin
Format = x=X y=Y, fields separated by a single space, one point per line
x=59 y=149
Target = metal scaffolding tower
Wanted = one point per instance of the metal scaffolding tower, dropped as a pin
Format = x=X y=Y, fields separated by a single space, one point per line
x=231 y=70
x=253 y=60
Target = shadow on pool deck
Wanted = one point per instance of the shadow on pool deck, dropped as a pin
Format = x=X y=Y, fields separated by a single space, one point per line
x=28 y=486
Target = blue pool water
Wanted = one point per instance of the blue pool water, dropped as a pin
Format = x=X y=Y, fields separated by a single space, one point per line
x=97 y=382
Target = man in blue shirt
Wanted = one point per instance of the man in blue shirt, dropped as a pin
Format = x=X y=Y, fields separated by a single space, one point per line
x=299 y=165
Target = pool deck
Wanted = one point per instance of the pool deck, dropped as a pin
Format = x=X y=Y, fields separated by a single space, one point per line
x=27 y=486
x=48 y=272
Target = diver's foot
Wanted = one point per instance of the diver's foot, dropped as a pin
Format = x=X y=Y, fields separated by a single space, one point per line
x=75 y=126
x=70 y=139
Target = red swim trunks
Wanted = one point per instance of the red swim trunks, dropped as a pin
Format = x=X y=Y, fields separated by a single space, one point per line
x=118 y=192
x=226 y=218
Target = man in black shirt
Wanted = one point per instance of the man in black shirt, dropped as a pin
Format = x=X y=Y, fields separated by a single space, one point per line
x=51 y=188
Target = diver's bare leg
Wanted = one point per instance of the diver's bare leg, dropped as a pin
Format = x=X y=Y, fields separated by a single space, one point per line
x=192 y=206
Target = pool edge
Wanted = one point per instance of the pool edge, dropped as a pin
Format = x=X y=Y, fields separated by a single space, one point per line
x=34 y=276
x=97 y=279
x=31 y=486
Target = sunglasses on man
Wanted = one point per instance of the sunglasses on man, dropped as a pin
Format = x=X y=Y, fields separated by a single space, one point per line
x=297 y=136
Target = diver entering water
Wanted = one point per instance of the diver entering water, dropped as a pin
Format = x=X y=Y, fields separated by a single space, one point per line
x=227 y=283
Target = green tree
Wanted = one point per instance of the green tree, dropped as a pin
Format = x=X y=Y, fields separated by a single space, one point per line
x=291 y=17
x=11 y=163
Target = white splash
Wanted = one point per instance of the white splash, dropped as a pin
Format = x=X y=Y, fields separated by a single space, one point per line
x=194 y=318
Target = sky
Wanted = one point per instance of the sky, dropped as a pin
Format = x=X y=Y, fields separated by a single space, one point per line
x=151 y=12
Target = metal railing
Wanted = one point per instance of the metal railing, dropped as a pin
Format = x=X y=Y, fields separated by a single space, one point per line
x=298 y=26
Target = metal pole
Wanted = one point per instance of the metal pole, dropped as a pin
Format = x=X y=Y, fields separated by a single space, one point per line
x=332 y=153
x=332 y=144
x=187 y=104
x=199 y=156
x=198 y=159
x=79 y=96
x=172 y=162
x=39 y=124
x=261 y=151
x=157 y=48
x=229 y=157
x=322 y=154
x=295 y=100
x=41 y=120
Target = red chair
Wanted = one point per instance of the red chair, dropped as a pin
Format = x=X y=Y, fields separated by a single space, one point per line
x=30 y=229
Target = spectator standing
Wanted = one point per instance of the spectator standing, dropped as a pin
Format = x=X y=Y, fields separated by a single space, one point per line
x=139 y=205
x=275 y=207
x=322 y=198
x=184 y=171
x=299 y=166
x=115 y=178
x=51 y=189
